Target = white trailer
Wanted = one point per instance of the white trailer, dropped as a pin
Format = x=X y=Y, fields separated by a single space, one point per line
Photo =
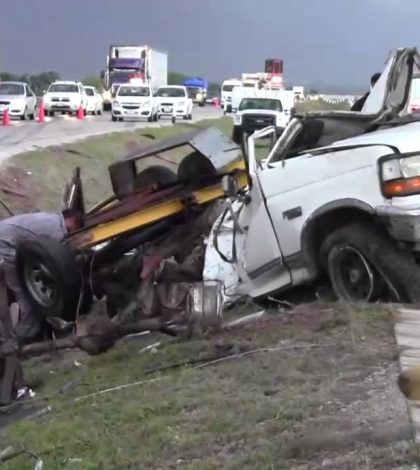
x=141 y=65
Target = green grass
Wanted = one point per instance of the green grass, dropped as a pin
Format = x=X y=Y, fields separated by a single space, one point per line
x=51 y=168
x=248 y=413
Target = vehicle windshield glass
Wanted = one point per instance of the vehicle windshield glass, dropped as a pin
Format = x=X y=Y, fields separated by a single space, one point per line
x=171 y=92
x=120 y=77
x=193 y=91
x=133 y=91
x=89 y=91
x=228 y=87
x=249 y=85
x=261 y=103
x=63 y=88
x=11 y=89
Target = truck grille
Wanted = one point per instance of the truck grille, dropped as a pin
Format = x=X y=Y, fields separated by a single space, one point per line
x=167 y=104
x=257 y=121
x=55 y=100
x=131 y=106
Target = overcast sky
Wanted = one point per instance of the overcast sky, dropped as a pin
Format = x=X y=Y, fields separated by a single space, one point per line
x=212 y=38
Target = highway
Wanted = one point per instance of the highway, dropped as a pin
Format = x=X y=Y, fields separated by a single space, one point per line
x=24 y=136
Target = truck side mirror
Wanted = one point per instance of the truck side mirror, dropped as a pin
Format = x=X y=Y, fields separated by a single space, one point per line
x=102 y=74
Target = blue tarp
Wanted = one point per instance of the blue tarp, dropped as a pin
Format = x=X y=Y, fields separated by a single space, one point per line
x=196 y=82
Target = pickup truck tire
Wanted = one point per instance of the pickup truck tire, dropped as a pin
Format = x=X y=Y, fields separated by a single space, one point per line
x=113 y=118
x=363 y=264
x=150 y=119
x=52 y=278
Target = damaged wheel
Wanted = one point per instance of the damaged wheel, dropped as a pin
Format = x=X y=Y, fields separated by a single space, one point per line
x=364 y=265
x=51 y=277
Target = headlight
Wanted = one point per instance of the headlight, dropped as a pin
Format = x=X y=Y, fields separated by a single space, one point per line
x=400 y=176
x=237 y=119
x=181 y=103
x=147 y=103
x=116 y=104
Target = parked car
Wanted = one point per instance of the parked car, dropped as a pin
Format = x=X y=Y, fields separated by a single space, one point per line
x=134 y=101
x=65 y=97
x=95 y=101
x=337 y=198
x=18 y=98
x=173 y=101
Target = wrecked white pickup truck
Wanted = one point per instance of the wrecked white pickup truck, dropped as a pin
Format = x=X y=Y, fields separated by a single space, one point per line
x=338 y=198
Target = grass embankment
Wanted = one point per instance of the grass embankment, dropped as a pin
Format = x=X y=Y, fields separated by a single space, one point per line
x=322 y=395
x=43 y=173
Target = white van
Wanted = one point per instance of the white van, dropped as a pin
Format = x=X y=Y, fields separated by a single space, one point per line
x=226 y=93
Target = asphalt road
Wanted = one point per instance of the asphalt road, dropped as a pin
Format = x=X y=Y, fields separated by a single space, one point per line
x=30 y=135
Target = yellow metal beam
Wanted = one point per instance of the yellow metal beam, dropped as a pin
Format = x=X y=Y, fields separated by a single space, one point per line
x=114 y=228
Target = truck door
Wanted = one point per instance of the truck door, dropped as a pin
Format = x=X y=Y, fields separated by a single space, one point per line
x=264 y=263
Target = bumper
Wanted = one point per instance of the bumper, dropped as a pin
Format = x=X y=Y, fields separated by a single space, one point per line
x=57 y=107
x=171 y=111
x=13 y=112
x=402 y=224
x=132 y=113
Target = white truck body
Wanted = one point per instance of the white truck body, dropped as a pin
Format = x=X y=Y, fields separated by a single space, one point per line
x=336 y=197
x=286 y=97
x=226 y=93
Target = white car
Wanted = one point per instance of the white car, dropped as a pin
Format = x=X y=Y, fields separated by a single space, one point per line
x=19 y=100
x=134 y=101
x=337 y=199
x=174 y=102
x=65 y=97
x=95 y=102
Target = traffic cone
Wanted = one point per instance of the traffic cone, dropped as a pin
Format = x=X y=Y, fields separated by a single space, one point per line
x=6 y=117
x=41 y=113
x=80 y=113
x=218 y=103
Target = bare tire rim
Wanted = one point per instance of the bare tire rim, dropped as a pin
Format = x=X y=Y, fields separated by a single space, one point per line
x=40 y=284
x=354 y=277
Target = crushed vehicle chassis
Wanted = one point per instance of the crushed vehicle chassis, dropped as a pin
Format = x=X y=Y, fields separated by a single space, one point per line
x=146 y=205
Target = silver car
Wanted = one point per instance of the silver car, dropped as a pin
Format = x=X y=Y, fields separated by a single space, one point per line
x=18 y=98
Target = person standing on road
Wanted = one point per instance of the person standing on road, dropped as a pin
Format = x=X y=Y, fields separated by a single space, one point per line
x=358 y=105
x=12 y=231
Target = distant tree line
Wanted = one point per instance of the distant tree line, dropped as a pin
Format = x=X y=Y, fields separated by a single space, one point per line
x=40 y=82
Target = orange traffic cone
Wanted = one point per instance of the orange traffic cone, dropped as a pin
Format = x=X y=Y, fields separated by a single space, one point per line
x=41 y=113
x=80 y=113
x=6 y=117
x=218 y=103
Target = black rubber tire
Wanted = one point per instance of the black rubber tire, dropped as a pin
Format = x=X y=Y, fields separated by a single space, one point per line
x=155 y=118
x=398 y=266
x=51 y=113
x=113 y=118
x=61 y=262
x=32 y=116
x=150 y=119
x=155 y=174
x=173 y=120
x=237 y=134
x=23 y=117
